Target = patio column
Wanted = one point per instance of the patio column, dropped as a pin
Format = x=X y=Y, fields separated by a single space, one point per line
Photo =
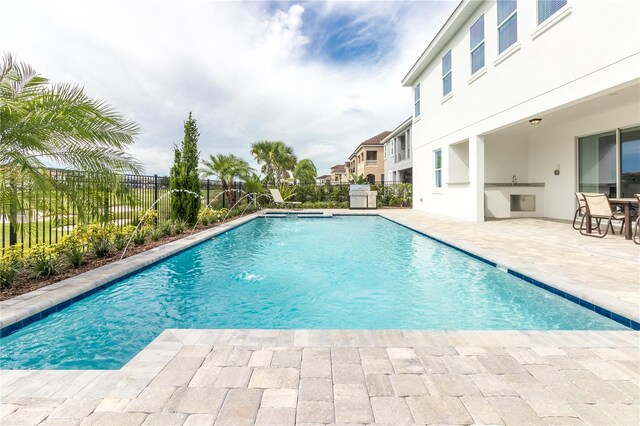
x=476 y=177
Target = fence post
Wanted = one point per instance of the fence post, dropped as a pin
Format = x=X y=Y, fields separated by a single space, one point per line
x=155 y=192
x=208 y=187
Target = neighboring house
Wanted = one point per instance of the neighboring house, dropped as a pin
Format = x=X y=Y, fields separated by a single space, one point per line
x=323 y=179
x=494 y=70
x=398 y=161
x=367 y=159
x=339 y=174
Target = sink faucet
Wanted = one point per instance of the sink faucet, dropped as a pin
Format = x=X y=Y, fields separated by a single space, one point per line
x=514 y=181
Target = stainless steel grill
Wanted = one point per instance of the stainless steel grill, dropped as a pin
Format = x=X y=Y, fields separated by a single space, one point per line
x=361 y=197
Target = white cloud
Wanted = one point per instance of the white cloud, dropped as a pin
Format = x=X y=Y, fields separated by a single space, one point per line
x=240 y=67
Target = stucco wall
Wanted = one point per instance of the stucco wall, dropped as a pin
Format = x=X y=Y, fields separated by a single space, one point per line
x=593 y=48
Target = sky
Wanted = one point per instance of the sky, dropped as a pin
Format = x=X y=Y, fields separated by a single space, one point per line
x=320 y=76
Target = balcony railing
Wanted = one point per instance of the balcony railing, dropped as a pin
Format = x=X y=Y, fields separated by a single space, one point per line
x=402 y=155
x=371 y=163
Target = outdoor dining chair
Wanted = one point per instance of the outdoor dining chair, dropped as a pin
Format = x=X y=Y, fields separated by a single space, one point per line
x=582 y=211
x=599 y=207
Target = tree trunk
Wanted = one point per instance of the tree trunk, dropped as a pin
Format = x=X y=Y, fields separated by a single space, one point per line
x=13 y=214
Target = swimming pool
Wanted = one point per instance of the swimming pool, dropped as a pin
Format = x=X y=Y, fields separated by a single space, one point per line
x=362 y=272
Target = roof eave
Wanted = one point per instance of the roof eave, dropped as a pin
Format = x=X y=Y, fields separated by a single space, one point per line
x=403 y=126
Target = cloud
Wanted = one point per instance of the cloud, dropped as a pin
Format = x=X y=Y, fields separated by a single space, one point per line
x=322 y=76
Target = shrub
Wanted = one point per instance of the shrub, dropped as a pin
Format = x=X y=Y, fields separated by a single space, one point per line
x=72 y=248
x=166 y=228
x=207 y=216
x=100 y=246
x=11 y=261
x=155 y=234
x=139 y=237
x=150 y=220
x=42 y=260
x=178 y=226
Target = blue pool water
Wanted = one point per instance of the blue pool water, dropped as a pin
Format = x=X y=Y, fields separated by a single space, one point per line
x=338 y=273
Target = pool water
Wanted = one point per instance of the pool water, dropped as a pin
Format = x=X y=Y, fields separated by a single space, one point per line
x=284 y=273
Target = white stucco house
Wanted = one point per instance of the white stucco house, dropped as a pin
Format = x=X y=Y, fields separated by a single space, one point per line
x=542 y=93
x=398 y=161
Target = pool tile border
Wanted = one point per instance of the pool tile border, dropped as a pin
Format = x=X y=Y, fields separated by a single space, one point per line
x=27 y=315
x=627 y=322
x=103 y=277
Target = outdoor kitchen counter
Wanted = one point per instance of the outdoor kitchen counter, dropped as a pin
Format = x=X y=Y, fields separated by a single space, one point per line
x=506 y=200
x=497 y=185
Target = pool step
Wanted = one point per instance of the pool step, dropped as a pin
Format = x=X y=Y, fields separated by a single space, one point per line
x=310 y=215
x=315 y=216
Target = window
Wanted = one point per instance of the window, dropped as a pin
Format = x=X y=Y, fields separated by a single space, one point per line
x=416 y=101
x=477 y=45
x=446 y=74
x=393 y=147
x=437 y=168
x=546 y=8
x=507 y=24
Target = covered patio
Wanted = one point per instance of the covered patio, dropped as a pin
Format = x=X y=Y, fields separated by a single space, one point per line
x=533 y=167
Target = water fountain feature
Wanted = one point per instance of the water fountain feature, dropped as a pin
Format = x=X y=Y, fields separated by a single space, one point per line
x=151 y=208
x=211 y=202
x=255 y=201
x=237 y=202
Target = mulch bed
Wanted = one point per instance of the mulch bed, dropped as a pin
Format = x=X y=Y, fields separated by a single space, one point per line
x=26 y=283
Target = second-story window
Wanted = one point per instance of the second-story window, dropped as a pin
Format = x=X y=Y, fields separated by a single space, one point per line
x=507 y=24
x=446 y=73
x=477 y=45
x=416 y=101
x=546 y=8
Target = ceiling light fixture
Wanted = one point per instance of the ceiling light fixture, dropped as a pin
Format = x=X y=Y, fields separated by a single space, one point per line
x=535 y=121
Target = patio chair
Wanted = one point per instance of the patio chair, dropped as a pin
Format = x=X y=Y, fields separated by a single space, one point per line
x=636 y=237
x=599 y=207
x=277 y=198
x=582 y=210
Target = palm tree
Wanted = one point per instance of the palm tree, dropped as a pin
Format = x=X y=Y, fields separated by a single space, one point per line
x=226 y=168
x=277 y=159
x=56 y=125
x=305 y=172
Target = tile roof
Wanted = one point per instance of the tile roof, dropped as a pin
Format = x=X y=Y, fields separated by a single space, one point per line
x=372 y=141
x=376 y=139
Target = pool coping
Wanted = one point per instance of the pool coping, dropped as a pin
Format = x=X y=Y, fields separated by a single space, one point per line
x=24 y=309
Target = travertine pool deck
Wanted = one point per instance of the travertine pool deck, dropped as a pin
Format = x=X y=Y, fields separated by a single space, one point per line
x=279 y=377
x=386 y=377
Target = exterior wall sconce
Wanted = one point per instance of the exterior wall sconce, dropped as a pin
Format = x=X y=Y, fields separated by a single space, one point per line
x=535 y=121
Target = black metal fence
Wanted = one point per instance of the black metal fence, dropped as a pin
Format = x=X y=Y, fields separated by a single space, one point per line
x=46 y=216
x=37 y=216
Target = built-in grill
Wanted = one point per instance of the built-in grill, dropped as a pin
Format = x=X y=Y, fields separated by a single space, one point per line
x=361 y=197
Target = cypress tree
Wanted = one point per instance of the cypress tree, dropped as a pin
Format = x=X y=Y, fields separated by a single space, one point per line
x=184 y=174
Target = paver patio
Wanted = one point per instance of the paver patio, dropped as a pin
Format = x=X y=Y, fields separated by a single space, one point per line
x=198 y=377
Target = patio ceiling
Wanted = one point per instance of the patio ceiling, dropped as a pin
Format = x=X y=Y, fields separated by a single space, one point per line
x=616 y=97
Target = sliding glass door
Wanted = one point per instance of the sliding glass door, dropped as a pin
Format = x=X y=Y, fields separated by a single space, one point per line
x=609 y=163
x=630 y=162
x=597 y=164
